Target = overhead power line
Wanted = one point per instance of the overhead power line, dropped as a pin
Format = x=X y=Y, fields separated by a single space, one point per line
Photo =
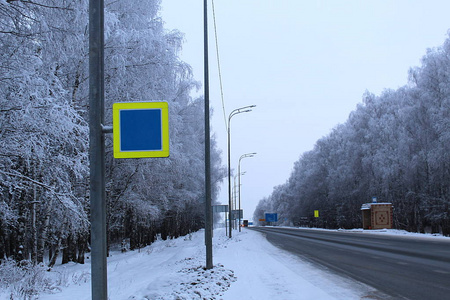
x=218 y=65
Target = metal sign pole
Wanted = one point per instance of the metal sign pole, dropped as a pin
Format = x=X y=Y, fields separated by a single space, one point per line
x=97 y=151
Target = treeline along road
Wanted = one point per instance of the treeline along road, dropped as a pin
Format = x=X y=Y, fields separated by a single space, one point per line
x=403 y=267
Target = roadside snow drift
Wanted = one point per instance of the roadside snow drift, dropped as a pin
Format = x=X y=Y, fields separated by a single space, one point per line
x=245 y=267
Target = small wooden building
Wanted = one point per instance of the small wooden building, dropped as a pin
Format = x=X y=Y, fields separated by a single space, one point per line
x=377 y=215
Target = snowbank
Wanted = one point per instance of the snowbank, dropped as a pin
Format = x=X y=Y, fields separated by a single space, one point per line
x=246 y=267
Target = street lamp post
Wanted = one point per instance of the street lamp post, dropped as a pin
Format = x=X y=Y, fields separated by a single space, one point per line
x=234 y=200
x=208 y=201
x=239 y=183
x=235 y=194
x=233 y=113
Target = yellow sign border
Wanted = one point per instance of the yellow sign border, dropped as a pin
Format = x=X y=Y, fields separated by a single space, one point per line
x=117 y=107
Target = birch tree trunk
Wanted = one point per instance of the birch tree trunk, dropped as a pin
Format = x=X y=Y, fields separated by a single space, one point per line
x=44 y=233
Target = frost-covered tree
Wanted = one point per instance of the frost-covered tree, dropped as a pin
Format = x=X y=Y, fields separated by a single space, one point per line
x=394 y=146
x=143 y=65
x=43 y=137
x=44 y=205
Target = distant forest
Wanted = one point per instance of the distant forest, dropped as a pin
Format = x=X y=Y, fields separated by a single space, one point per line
x=44 y=168
x=395 y=147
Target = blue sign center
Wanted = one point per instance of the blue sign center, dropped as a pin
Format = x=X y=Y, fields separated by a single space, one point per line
x=140 y=130
x=271 y=217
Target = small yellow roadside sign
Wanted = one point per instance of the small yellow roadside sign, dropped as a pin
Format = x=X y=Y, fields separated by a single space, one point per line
x=316 y=214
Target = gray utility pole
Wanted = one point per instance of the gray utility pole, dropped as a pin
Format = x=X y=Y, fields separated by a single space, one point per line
x=208 y=200
x=97 y=150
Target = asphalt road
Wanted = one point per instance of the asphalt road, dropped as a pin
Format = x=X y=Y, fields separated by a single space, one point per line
x=400 y=266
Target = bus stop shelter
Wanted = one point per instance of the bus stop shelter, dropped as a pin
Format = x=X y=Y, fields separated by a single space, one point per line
x=377 y=215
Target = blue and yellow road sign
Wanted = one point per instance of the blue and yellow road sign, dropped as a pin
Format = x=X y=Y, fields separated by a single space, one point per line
x=141 y=129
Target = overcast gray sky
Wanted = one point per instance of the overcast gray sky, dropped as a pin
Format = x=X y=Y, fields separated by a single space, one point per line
x=305 y=64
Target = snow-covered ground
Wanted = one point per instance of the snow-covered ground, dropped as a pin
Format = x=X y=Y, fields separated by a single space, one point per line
x=245 y=267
